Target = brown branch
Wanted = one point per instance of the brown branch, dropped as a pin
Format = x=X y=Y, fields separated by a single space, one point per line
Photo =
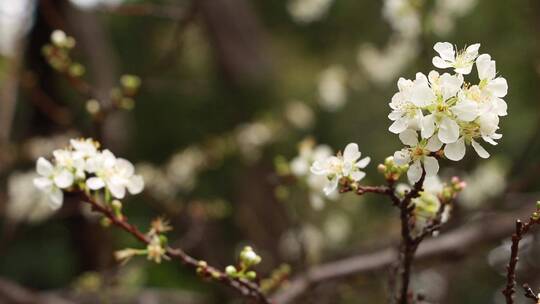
x=409 y=244
x=244 y=287
x=456 y=243
x=520 y=231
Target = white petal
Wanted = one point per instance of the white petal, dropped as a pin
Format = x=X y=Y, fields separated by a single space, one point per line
x=358 y=175
x=363 y=162
x=422 y=95
x=64 y=179
x=466 y=110
x=465 y=70
x=445 y=50
x=455 y=151
x=409 y=137
x=501 y=107
x=479 y=149
x=44 y=167
x=489 y=140
x=125 y=166
x=331 y=186
x=135 y=184
x=431 y=165
x=95 y=183
x=472 y=50
x=402 y=157
x=117 y=190
x=434 y=144
x=428 y=126
x=415 y=172
x=498 y=86
x=56 y=197
x=399 y=125
x=351 y=153
x=440 y=63
x=43 y=183
x=448 y=130
x=485 y=67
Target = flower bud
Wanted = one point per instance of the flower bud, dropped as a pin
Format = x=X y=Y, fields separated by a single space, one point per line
x=230 y=270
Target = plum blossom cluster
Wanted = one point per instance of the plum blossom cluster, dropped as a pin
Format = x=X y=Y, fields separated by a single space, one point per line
x=345 y=167
x=442 y=113
x=82 y=166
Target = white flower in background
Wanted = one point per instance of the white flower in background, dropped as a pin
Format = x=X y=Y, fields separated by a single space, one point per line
x=156 y=181
x=92 y=4
x=37 y=146
x=307 y=11
x=308 y=154
x=403 y=16
x=251 y=137
x=443 y=16
x=382 y=66
x=487 y=181
x=346 y=165
x=51 y=180
x=462 y=62
x=117 y=174
x=183 y=168
x=300 y=167
x=25 y=202
x=299 y=114
x=15 y=22
x=418 y=155
x=333 y=88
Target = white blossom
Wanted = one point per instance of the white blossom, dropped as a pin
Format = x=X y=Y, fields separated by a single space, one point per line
x=83 y=164
x=462 y=62
x=346 y=165
x=117 y=174
x=418 y=155
x=25 y=202
x=307 y=11
x=51 y=180
x=403 y=16
x=333 y=88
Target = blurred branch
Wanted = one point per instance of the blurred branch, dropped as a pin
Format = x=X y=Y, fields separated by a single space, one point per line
x=451 y=244
x=174 y=12
x=13 y=293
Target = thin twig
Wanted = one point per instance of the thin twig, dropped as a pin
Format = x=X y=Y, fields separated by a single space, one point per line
x=520 y=230
x=244 y=287
x=529 y=293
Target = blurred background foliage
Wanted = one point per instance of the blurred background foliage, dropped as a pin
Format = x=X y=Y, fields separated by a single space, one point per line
x=218 y=80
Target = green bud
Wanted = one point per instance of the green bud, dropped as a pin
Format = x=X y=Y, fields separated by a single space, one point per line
x=538 y=205
x=127 y=103
x=76 y=70
x=105 y=222
x=130 y=83
x=251 y=275
x=231 y=271
x=536 y=215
